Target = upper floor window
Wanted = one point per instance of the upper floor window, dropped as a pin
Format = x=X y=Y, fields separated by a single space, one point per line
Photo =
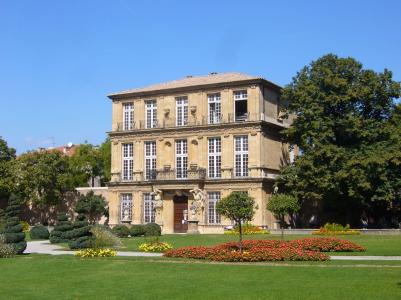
x=213 y=216
x=148 y=208
x=151 y=113
x=150 y=160
x=214 y=157
x=126 y=207
x=128 y=161
x=128 y=116
x=241 y=106
x=181 y=159
x=241 y=156
x=181 y=111
x=214 y=102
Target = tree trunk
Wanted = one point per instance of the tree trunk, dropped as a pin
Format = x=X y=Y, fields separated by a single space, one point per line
x=282 y=228
x=240 y=236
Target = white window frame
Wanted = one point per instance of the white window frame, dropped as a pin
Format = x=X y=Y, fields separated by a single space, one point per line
x=214 y=108
x=128 y=116
x=149 y=215
x=150 y=114
x=126 y=203
x=214 y=157
x=181 y=110
x=127 y=161
x=181 y=159
x=241 y=156
x=150 y=160
x=212 y=216
x=240 y=95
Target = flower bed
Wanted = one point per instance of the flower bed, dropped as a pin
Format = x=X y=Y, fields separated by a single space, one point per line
x=96 y=253
x=247 y=229
x=327 y=245
x=155 y=247
x=335 y=229
x=268 y=250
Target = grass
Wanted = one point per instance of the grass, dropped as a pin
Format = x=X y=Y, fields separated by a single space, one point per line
x=66 y=277
x=376 y=244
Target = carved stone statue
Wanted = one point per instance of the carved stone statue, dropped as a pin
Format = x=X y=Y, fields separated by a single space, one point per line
x=158 y=205
x=198 y=203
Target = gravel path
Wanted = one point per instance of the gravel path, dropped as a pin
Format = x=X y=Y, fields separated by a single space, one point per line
x=45 y=247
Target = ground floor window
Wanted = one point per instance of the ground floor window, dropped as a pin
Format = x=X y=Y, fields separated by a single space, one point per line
x=148 y=207
x=213 y=216
x=126 y=207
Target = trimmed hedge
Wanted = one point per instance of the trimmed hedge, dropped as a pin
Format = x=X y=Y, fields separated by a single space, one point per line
x=152 y=229
x=81 y=236
x=62 y=227
x=137 y=230
x=39 y=232
x=121 y=231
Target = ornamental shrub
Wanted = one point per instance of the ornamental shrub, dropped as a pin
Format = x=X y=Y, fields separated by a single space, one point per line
x=335 y=229
x=247 y=229
x=327 y=245
x=80 y=236
x=63 y=225
x=13 y=231
x=103 y=237
x=152 y=229
x=137 y=230
x=25 y=226
x=6 y=250
x=39 y=232
x=121 y=231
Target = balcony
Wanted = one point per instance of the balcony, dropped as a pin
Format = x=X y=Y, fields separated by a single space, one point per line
x=162 y=175
x=229 y=118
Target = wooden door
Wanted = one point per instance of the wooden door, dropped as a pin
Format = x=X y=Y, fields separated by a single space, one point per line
x=180 y=205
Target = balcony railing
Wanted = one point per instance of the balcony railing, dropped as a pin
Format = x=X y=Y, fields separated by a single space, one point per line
x=192 y=121
x=162 y=175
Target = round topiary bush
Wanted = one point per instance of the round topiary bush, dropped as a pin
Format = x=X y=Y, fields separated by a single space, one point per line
x=81 y=236
x=137 y=230
x=39 y=232
x=121 y=231
x=152 y=229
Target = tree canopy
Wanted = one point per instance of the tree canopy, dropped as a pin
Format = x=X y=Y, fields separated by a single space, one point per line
x=347 y=127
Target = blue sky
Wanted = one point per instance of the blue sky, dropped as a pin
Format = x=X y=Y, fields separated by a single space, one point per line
x=59 y=59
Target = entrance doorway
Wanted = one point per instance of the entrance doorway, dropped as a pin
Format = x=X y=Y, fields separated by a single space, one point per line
x=180 y=213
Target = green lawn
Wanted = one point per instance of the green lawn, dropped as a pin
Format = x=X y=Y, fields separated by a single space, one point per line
x=375 y=244
x=67 y=277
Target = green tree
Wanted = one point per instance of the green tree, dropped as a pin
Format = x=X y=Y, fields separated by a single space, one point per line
x=238 y=207
x=343 y=125
x=63 y=225
x=13 y=231
x=43 y=179
x=94 y=206
x=7 y=157
x=105 y=154
x=282 y=205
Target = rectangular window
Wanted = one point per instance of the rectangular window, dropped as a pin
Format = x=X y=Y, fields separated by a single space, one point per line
x=151 y=113
x=213 y=216
x=181 y=159
x=214 y=157
x=241 y=106
x=126 y=207
x=150 y=160
x=241 y=156
x=214 y=102
x=181 y=111
x=148 y=208
x=128 y=111
x=128 y=161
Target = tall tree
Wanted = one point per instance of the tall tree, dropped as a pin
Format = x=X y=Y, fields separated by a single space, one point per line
x=105 y=154
x=343 y=125
x=43 y=178
x=7 y=156
x=93 y=206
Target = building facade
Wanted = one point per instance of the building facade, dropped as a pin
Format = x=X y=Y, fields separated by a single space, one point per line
x=180 y=146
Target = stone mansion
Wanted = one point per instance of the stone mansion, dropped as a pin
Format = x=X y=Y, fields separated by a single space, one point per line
x=178 y=147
